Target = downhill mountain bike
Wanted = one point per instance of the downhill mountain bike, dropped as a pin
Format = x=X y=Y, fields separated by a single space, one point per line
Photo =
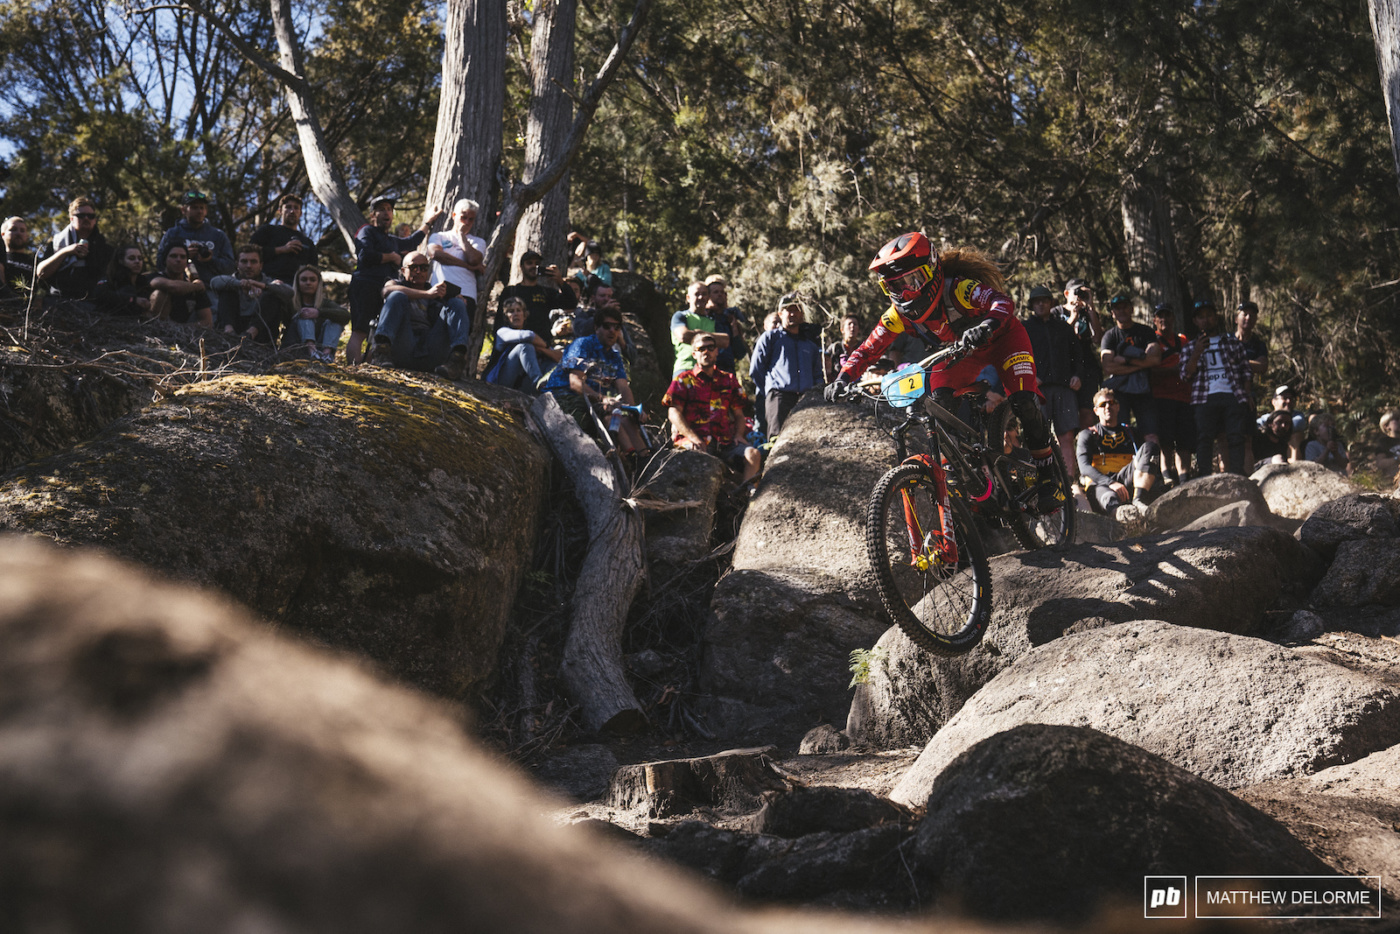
x=929 y=561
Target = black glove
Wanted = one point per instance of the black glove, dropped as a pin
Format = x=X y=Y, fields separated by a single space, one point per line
x=837 y=391
x=976 y=337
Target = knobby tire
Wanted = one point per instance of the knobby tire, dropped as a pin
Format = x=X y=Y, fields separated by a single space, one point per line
x=944 y=610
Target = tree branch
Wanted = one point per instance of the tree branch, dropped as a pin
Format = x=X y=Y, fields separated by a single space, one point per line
x=254 y=58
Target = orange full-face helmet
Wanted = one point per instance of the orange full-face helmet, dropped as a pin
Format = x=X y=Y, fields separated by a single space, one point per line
x=910 y=274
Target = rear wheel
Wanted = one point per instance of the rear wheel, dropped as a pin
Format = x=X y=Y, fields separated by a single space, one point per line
x=941 y=602
x=1032 y=529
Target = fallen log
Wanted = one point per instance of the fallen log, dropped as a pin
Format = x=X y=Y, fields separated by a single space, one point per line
x=612 y=572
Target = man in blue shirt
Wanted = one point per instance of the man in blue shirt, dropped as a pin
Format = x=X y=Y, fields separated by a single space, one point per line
x=786 y=363
x=593 y=371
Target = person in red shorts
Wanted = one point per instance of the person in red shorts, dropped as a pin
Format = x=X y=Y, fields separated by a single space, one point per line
x=959 y=296
x=707 y=410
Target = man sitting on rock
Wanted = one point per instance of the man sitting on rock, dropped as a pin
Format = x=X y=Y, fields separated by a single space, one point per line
x=707 y=410
x=421 y=327
x=1116 y=469
x=241 y=307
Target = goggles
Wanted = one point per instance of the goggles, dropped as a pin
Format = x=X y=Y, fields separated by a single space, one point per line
x=906 y=288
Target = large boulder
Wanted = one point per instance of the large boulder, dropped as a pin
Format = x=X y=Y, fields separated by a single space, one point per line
x=687 y=485
x=1234 y=710
x=1364 y=572
x=801 y=595
x=386 y=513
x=1348 y=518
x=1295 y=490
x=1223 y=579
x=1229 y=517
x=1193 y=499
x=167 y=764
x=1348 y=815
x=1054 y=823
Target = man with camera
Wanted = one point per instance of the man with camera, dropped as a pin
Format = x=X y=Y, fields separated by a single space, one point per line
x=1079 y=311
x=209 y=248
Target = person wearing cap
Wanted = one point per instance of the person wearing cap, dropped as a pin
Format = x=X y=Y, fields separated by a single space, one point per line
x=209 y=248
x=539 y=297
x=457 y=255
x=378 y=255
x=728 y=320
x=786 y=363
x=1214 y=365
x=1128 y=351
x=1284 y=398
x=1079 y=311
x=690 y=320
x=1176 y=423
x=285 y=248
x=1059 y=369
x=422 y=326
x=75 y=260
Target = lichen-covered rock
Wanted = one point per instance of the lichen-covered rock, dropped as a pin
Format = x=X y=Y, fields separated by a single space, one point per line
x=373 y=510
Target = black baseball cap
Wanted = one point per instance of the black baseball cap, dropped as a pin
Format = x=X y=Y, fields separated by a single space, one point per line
x=383 y=198
x=1204 y=304
x=1040 y=291
x=1120 y=299
x=530 y=255
x=190 y=197
x=1247 y=305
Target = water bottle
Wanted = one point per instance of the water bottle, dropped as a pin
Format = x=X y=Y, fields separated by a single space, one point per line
x=615 y=422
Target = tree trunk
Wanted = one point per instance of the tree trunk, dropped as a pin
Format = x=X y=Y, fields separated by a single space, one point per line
x=611 y=575
x=1385 y=26
x=327 y=184
x=544 y=227
x=467 y=147
x=1150 y=246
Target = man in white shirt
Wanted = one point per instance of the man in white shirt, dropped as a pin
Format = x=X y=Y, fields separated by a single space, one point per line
x=457 y=255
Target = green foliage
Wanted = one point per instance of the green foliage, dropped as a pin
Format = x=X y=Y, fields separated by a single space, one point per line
x=862 y=661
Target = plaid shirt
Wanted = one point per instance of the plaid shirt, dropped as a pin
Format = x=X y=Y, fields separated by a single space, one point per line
x=1236 y=363
x=706 y=402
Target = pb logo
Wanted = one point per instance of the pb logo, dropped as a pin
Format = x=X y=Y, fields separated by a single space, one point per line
x=1164 y=896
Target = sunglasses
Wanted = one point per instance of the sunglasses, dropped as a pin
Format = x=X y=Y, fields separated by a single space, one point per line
x=1106 y=405
x=706 y=348
x=418 y=266
x=85 y=214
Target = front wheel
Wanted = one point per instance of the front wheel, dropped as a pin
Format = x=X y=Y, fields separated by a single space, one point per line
x=930 y=566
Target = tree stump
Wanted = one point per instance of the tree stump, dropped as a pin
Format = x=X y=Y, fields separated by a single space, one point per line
x=735 y=780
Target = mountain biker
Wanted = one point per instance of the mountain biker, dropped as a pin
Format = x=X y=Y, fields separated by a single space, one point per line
x=958 y=296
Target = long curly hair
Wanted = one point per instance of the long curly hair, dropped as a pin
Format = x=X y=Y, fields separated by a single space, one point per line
x=964 y=262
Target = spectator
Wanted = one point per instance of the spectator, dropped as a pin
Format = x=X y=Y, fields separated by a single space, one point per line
x=1127 y=353
x=591 y=253
x=73 y=262
x=1079 y=311
x=852 y=333
x=1246 y=317
x=377 y=256
x=772 y=321
x=1215 y=367
x=690 y=320
x=316 y=319
x=457 y=255
x=706 y=408
x=1117 y=466
x=1059 y=369
x=728 y=320
x=1388 y=461
x=515 y=359
x=285 y=248
x=209 y=248
x=403 y=231
x=19 y=259
x=598 y=296
x=1273 y=441
x=423 y=327
x=248 y=302
x=177 y=292
x=786 y=363
x=126 y=289
x=1283 y=401
x=539 y=296
x=1323 y=445
x=591 y=365
x=1176 y=423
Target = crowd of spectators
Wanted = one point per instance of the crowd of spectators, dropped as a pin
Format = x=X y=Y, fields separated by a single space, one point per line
x=1136 y=408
